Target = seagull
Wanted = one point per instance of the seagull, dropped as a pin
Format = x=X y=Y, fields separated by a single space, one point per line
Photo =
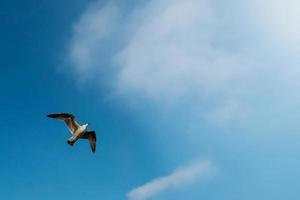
x=77 y=131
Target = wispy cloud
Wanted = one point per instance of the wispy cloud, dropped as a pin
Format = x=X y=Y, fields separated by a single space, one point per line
x=167 y=50
x=90 y=33
x=171 y=52
x=279 y=20
x=178 y=178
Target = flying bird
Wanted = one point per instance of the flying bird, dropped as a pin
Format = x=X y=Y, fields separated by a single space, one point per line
x=77 y=131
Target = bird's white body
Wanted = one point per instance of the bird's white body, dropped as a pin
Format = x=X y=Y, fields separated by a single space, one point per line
x=78 y=133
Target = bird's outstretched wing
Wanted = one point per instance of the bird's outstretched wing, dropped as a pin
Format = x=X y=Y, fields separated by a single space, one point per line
x=69 y=120
x=91 y=136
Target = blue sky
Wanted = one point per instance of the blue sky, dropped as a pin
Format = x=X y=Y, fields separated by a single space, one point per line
x=194 y=99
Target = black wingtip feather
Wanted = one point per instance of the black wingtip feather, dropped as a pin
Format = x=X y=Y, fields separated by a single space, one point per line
x=57 y=115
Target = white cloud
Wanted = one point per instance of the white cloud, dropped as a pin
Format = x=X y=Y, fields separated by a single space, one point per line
x=171 y=52
x=178 y=178
x=280 y=20
x=89 y=34
x=178 y=49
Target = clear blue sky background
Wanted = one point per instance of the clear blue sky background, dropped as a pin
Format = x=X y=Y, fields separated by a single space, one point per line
x=139 y=137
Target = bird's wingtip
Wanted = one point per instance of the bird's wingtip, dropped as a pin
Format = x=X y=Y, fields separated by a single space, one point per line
x=50 y=115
